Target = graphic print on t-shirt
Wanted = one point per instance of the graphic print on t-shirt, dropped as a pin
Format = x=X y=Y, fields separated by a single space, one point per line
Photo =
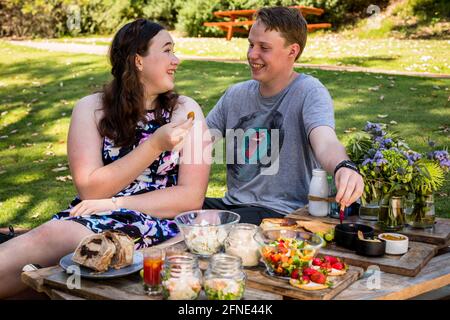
x=257 y=140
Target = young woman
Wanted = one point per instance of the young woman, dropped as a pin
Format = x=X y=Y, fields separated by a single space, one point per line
x=125 y=147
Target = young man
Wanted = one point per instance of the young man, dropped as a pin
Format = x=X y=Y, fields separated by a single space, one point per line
x=278 y=127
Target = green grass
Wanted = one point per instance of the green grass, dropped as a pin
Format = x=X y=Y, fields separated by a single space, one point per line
x=328 y=48
x=38 y=90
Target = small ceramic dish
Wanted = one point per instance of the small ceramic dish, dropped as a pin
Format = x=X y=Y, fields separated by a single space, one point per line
x=395 y=243
x=345 y=234
x=370 y=248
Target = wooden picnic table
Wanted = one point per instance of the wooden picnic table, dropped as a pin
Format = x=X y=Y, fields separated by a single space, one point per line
x=236 y=25
x=53 y=282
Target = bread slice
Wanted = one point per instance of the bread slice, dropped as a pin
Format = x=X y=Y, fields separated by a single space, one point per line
x=95 y=251
x=278 y=224
x=315 y=226
x=123 y=256
x=311 y=286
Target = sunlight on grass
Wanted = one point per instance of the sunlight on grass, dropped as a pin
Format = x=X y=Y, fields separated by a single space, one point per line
x=327 y=48
x=31 y=192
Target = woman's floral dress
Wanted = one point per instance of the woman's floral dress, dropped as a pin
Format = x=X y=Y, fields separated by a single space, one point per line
x=162 y=173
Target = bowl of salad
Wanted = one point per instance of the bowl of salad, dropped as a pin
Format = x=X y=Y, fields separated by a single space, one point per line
x=283 y=251
x=206 y=230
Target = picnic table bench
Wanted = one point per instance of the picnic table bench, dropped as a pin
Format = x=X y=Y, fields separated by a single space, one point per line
x=236 y=25
x=53 y=282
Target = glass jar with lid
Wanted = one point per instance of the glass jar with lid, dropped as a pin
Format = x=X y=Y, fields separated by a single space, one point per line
x=224 y=278
x=240 y=243
x=181 y=277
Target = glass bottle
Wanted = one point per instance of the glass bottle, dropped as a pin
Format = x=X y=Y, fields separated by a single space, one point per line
x=224 y=278
x=421 y=213
x=181 y=277
x=318 y=194
x=241 y=243
x=392 y=214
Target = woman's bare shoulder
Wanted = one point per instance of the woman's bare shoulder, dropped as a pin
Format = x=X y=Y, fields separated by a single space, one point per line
x=89 y=106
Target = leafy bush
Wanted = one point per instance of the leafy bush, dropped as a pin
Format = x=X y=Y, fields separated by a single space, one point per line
x=22 y=18
x=102 y=16
x=429 y=10
x=54 y=18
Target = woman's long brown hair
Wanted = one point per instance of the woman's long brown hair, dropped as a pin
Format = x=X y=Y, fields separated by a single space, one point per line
x=123 y=98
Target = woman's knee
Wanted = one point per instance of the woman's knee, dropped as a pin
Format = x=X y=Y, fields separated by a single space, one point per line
x=43 y=234
x=55 y=232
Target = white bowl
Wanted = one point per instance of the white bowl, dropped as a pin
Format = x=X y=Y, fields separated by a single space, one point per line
x=395 y=246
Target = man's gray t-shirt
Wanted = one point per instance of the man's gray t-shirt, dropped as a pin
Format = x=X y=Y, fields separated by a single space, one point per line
x=270 y=161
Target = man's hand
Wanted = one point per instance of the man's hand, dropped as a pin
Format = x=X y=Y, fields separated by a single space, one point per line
x=349 y=185
x=90 y=207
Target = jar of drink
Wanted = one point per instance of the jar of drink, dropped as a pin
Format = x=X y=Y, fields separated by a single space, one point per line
x=318 y=194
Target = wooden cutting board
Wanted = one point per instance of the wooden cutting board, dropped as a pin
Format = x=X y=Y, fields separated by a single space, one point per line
x=439 y=235
x=408 y=264
x=257 y=279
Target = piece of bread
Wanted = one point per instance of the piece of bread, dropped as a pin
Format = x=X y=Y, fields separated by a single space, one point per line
x=336 y=272
x=95 y=251
x=123 y=256
x=278 y=224
x=311 y=286
x=315 y=226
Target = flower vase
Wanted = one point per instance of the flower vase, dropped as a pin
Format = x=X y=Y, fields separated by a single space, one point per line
x=422 y=214
x=392 y=214
x=370 y=210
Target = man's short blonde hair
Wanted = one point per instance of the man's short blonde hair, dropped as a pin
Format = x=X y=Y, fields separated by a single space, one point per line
x=289 y=22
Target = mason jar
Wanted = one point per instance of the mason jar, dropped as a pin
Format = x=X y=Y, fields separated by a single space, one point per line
x=240 y=243
x=181 y=277
x=224 y=278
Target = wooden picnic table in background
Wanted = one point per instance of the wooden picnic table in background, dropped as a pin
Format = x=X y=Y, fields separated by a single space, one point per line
x=236 y=25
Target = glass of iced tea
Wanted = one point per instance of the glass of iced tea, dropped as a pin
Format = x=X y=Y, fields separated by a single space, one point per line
x=153 y=262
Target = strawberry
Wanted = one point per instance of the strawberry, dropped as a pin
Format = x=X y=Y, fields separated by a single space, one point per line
x=295 y=274
x=330 y=259
x=338 y=266
x=319 y=278
x=309 y=271
x=317 y=262
x=326 y=265
x=305 y=280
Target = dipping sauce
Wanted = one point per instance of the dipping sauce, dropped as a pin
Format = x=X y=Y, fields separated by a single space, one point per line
x=392 y=237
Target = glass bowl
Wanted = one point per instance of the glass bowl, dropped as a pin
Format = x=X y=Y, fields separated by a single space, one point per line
x=206 y=230
x=283 y=251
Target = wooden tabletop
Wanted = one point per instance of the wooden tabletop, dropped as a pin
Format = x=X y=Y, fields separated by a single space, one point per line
x=379 y=285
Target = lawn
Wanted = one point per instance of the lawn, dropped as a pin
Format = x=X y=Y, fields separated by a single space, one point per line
x=38 y=90
x=330 y=48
